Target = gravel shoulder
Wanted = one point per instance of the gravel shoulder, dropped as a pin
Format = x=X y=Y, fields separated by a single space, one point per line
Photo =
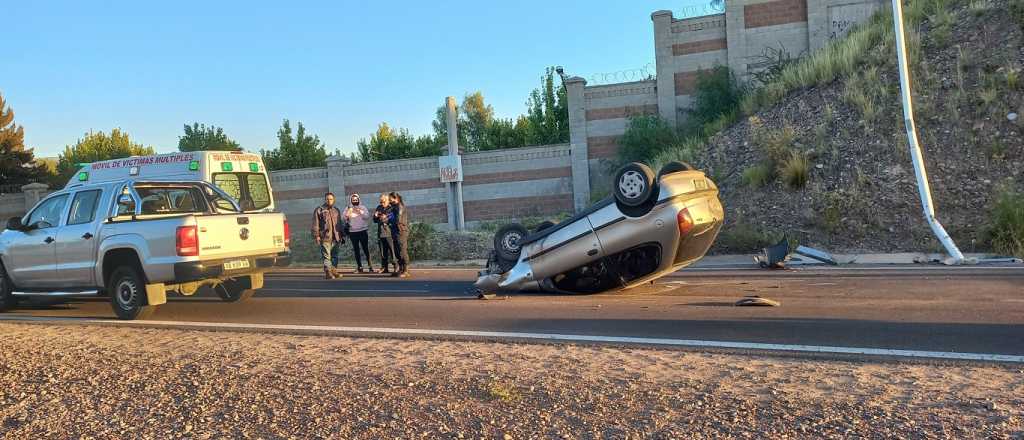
x=105 y=382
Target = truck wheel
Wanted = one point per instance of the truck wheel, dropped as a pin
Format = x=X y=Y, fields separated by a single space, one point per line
x=7 y=300
x=128 y=294
x=634 y=184
x=234 y=290
x=507 y=239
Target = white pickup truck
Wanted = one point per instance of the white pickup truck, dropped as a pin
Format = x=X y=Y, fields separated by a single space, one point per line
x=134 y=241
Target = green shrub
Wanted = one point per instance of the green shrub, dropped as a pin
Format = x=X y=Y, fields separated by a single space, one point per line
x=744 y=238
x=758 y=175
x=645 y=138
x=420 y=243
x=795 y=170
x=717 y=93
x=1007 y=224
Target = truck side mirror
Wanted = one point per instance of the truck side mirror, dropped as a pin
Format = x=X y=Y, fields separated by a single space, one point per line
x=14 y=224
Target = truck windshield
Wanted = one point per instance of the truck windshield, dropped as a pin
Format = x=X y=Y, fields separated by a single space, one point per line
x=250 y=189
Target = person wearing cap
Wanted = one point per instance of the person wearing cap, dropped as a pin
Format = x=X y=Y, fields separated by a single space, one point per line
x=358 y=218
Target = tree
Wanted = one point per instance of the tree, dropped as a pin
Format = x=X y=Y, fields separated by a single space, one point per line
x=98 y=146
x=476 y=121
x=298 y=151
x=389 y=144
x=17 y=164
x=548 y=112
x=199 y=137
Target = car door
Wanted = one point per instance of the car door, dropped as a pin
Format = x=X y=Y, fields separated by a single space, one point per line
x=32 y=250
x=76 y=243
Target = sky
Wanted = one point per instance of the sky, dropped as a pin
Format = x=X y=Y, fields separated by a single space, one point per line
x=339 y=67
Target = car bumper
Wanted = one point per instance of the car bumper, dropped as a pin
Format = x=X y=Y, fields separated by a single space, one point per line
x=203 y=270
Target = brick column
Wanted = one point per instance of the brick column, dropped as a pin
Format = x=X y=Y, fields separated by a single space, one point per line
x=579 y=154
x=33 y=193
x=665 y=64
x=336 y=175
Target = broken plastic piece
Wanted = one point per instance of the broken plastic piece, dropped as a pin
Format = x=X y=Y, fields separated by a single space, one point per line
x=757 y=301
x=821 y=256
x=774 y=257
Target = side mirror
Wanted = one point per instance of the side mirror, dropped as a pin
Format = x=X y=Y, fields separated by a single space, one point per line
x=14 y=224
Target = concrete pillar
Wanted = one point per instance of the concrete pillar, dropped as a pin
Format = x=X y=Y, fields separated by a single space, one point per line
x=33 y=193
x=574 y=88
x=736 y=39
x=336 y=175
x=665 y=65
x=456 y=214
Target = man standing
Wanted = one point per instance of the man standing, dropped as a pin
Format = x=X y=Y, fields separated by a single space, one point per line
x=398 y=219
x=358 y=218
x=327 y=232
x=380 y=217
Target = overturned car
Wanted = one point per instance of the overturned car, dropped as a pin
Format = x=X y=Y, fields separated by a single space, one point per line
x=653 y=225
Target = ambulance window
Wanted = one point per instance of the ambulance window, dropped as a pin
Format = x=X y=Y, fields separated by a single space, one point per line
x=250 y=189
x=229 y=182
x=259 y=190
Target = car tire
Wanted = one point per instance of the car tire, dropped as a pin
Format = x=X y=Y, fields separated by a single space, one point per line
x=674 y=167
x=633 y=184
x=7 y=299
x=233 y=290
x=128 y=294
x=507 y=239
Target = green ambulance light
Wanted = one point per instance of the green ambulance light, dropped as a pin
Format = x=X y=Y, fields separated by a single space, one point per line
x=254 y=167
x=226 y=166
x=193 y=166
x=83 y=176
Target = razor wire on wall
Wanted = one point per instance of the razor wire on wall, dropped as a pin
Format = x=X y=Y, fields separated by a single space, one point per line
x=712 y=7
x=629 y=75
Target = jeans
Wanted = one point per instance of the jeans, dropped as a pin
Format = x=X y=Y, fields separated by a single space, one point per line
x=386 y=255
x=400 y=246
x=360 y=240
x=329 y=252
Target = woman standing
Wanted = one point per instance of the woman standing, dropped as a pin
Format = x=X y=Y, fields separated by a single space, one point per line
x=358 y=219
x=380 y=217
x=398 y=219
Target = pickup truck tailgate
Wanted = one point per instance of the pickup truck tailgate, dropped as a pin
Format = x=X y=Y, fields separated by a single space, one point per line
x=240 y=235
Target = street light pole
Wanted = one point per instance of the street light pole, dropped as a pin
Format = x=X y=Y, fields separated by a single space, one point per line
x=916 y=154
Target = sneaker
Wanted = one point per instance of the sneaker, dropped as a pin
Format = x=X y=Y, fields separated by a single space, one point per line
x=404 y=274
x=359 y=270
x=384 y=269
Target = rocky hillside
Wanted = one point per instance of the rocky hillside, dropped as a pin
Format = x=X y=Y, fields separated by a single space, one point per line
x=860 y=192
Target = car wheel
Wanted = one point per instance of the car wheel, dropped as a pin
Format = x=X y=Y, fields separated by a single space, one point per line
x=128 y=294
x=674 y=167
x=507 y=241
x=634 y=184
x=233 y=290
x=7 y=299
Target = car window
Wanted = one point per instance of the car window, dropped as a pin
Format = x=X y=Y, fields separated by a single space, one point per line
x=47 y=214
x=83 y=207
x=230 y=183
x=168 y=200
x=259 y=191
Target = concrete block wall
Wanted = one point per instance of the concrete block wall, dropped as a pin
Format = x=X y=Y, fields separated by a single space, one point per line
x=498 y=185
x=684 y=47
x=11 y=205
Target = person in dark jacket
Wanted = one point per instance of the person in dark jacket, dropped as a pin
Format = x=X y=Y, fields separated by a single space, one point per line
x=398 y=219
x=380 y=217
x=328 y=233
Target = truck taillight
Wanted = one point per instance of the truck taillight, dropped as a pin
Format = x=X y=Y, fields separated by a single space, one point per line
x=685 y=222
x=287 y=234
x=187 y=241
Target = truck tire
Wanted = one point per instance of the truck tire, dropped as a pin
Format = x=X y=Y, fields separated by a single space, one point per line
x=234 y=290
x=7 y=300
x=634 y=184
x=128 y=294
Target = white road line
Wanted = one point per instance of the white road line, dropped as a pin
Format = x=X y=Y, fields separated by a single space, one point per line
x=543 y=337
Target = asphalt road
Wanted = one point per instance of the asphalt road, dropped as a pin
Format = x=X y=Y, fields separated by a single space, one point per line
x=968 y=310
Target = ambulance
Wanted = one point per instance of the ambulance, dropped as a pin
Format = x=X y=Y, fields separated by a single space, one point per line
x=240 y=174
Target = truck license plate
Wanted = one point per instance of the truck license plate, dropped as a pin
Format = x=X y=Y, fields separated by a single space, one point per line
x=236 y=264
